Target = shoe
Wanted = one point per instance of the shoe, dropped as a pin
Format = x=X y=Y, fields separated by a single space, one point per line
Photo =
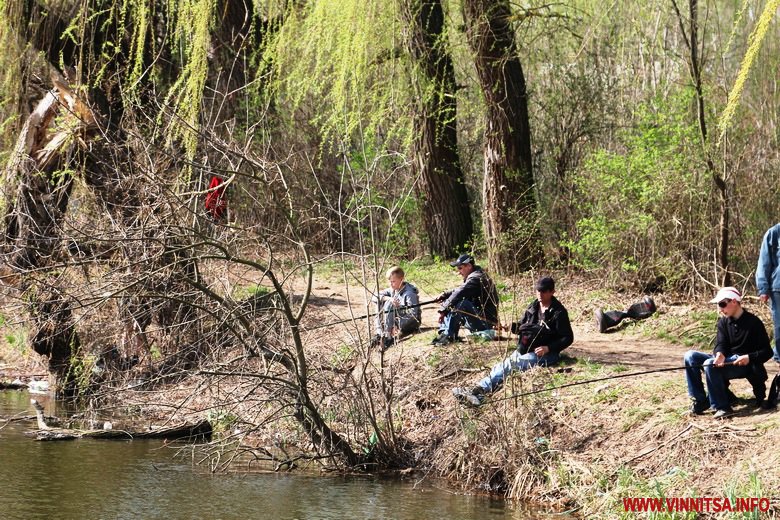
x=442 y=340
x=699 y=407
x=484 y=335
x=382 y=342
x=767 y=404
x=472 y=397
x=721 y=414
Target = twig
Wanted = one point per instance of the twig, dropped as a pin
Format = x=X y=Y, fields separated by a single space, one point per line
x=651 y=450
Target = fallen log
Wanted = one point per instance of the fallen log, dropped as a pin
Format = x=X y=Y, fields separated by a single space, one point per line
x=192 y=432
x=13 y=385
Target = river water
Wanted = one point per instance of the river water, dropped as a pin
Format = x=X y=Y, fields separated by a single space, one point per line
x=101 y=479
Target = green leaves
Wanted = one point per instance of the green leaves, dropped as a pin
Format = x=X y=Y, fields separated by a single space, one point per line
x=635 y=200
x=754 y=45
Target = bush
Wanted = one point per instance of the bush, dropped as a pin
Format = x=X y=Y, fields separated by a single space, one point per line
x=644 y=209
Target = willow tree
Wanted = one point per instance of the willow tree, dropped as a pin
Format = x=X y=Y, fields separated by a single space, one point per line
x=80 y=128
x=378 y=96
x=103 y=211
x=509 y=207
x=445 y=213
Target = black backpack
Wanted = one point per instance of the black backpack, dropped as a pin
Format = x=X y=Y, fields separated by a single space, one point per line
x=532 y=335
x=774 y=392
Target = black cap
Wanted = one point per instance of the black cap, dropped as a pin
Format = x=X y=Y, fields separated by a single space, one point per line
x=463 y=259
x=545 y=283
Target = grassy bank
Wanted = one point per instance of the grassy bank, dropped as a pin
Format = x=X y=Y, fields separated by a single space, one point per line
x=582 y=448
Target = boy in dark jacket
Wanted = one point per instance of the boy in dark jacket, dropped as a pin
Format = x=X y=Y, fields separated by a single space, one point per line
x=543 y=333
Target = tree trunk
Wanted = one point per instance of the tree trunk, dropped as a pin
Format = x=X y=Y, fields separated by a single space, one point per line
x=53 y=335
x=445 y=211
x=694 y=67
x=509 y=204
x=39 y=192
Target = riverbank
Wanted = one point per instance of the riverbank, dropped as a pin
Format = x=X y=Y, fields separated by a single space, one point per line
x=584 y=448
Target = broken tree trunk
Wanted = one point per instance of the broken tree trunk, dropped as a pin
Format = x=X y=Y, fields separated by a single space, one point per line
x=193 y=432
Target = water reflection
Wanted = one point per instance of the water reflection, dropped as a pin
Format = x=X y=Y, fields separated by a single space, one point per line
x=94 y=479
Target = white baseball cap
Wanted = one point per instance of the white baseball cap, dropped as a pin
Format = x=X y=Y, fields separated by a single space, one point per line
x=727 y=293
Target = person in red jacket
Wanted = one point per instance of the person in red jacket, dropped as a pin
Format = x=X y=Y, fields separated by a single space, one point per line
x=216 y=202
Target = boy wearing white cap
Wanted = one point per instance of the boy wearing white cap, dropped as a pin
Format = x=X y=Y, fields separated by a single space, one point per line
x=741 y=349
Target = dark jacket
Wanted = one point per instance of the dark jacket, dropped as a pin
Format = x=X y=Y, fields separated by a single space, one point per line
x=552 y=330
x=745 y=335
x=480 y=290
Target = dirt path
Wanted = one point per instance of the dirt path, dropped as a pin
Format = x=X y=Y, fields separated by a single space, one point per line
x=637 y=352
x=621 y=347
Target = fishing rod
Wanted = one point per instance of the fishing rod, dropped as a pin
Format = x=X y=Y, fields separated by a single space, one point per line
x=369 y=315
x=597 y=380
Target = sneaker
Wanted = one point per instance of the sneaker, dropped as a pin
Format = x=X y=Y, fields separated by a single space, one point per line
x=699 y=407
x=442 y=340
x=469 y=397
x=382 y=342
x=721 y=414
x=484 y=335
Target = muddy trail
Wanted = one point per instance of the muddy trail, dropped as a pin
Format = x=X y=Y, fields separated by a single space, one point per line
x=622 y=345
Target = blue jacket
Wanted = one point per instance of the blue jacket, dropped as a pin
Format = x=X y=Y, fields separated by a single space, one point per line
x=768 y=270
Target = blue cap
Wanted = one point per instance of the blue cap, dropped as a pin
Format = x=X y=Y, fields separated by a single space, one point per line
x=463 y=259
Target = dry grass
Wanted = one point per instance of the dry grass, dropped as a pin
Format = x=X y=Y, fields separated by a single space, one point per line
x=581 y=447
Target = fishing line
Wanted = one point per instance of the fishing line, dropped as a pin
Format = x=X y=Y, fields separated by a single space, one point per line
x=597 y=380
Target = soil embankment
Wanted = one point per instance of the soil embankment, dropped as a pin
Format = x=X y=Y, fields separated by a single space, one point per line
x=587 y=446
x=584 y=447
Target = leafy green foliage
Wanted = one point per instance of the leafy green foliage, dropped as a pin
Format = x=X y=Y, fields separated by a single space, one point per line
x=636 y=202
x=755 y=41
x=192 y=38
x=342 y=54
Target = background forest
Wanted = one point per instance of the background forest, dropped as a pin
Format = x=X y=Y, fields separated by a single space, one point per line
x=636 y=141
x=569 y=134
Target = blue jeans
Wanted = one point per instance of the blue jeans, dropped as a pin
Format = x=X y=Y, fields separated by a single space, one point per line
x=716 y=378
x=389 y=318
x=454 y=319
x=516 y=362
x=774 y=296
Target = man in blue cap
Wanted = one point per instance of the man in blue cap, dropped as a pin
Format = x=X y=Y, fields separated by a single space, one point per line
x=474 y=304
